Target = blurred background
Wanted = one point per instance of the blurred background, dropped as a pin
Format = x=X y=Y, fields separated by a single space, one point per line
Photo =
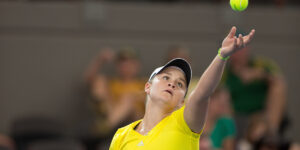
x=49 y=50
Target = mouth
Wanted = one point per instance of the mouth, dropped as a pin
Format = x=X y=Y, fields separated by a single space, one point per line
x=169 y=91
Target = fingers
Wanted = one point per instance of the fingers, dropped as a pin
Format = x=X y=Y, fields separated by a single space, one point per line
x=249 y=37
x=235 y=41
x=107 y=54
x=232 y=32
x=251 y=34
x=241 y=44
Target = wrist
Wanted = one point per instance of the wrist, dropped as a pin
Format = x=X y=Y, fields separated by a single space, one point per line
x=222 y=55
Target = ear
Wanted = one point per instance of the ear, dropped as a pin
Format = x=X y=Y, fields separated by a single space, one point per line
x=147 y=87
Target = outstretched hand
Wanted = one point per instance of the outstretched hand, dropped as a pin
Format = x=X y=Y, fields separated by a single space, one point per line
x=106 y=54
x=232 y=43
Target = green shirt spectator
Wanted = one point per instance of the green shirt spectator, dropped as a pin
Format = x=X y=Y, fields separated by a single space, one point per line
x=249 y=97
x=224 y=128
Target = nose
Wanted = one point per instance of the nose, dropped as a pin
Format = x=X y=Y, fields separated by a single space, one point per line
x=171 y=85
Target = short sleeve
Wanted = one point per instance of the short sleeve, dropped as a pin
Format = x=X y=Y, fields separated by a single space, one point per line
x=224 y=128
x=229 y=126
x=179 y=116
x=115 y=143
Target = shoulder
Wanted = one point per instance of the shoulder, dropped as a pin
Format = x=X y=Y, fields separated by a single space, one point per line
x=227 y=124
x=127 y=128
x=121 y=134
x=267 y=64
x=225 y=120
x=178 y=116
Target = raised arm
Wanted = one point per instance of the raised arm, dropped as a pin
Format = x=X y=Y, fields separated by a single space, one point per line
x=196 y=106
x=105 y=55
x=276 y=101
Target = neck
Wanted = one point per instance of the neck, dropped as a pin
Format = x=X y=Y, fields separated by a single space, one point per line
x=153 y=115
x=237 y=64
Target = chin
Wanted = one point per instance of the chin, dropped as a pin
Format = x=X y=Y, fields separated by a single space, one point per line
x=164 y=99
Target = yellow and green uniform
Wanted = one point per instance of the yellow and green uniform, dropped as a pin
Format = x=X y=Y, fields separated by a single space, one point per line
x=171 y=133
x=249 y=97
x=119 y=89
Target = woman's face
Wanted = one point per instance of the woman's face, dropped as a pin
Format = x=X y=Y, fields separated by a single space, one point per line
x=128 y=68
x=168 y=87
x=219 y=103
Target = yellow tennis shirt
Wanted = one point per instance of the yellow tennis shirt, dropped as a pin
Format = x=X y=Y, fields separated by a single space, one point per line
x=171 y=133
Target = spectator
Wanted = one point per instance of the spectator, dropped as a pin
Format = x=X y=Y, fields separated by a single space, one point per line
x=255 y=130
x=259 y=138
x=255 y=85
x=178 y=51
x=118 y=99
x=205 y=142
x=219 y=124
x=6 y=143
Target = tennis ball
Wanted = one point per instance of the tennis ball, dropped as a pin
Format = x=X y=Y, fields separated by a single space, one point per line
x=238 y=5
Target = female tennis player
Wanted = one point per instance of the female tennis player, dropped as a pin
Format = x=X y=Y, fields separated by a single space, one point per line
x=170 y=123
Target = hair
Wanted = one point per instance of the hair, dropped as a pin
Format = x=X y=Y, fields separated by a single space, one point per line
x=127 y=54
x=175 y=51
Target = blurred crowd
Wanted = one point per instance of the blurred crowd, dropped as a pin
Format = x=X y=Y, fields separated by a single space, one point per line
x=277 y=3
x=246 y=112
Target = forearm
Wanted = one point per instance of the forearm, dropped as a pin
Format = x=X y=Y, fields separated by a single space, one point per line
x=209 y=80
x=228 y=143
x=196 y=107
x=92 y=70
x=276 y=103
x=212 y=76
x=195 y=111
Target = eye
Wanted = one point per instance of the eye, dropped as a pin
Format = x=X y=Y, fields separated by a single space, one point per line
x=180 y=84
x=165 y=77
